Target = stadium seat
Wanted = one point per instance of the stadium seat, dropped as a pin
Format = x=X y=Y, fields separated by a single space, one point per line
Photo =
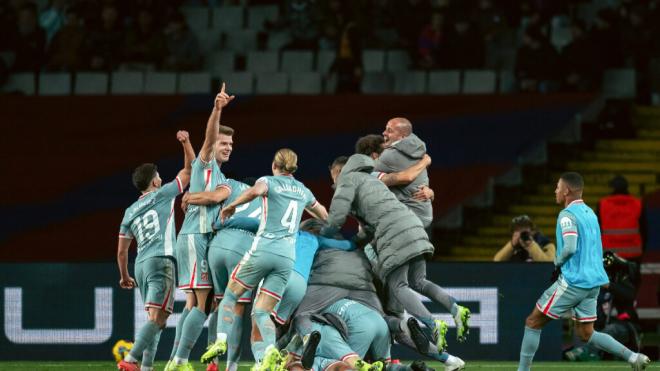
x=619 y=83
x=445 y=82
x=20 y=82
x=324 y=60
x=91 y=83
x=398 y=60
x=278 y=40
x=197 y=17
x=126 y=83
x=507 y=82
x=194 y=83
x=160 y=83
x=297 y=61
x=373 y=60
x=209 y=40
x=55 y=84
x=560 y=34
x=239 y=82
x=241 y=41
x=228 y=18
x=479 y=82
x=220 y=62
x=272 y=83
x=259 y=14
x=377 y=83
x=305 y=83
x=263 y=61
x=409 y=82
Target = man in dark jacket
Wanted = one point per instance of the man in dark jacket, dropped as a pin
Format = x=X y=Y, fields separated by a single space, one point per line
x=399 y=240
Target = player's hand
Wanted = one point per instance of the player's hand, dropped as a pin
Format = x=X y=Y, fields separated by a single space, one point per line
x=182 y=136
x=127 y=283
x=184 y=202
x=227 y=212
x=427 y=160
x=223 y=99
x=424 y=193
x=515 y=238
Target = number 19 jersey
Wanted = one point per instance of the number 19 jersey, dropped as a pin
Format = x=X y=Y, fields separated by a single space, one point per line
x=150 y=220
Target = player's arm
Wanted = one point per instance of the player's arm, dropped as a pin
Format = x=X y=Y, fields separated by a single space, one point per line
x=340 y=206
x=125 y=281
x=504 y=254
x=406 y=176
x=208 y=197
x=331 y=243
x=188 y=156
x=213 y=124
x=569 y=234
x=424 y=193
x=259 y=188
x=541 y=254
x=317 y=210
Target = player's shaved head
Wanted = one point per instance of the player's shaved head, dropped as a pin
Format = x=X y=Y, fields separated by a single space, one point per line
x=370 y=145
x=403 y=125
x=395 y=130
x=573 y=180
x=143 y=175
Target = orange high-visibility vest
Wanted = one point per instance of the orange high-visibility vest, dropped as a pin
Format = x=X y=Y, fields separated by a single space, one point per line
x=619 y=222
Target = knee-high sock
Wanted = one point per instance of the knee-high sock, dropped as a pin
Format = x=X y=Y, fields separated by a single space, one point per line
x=607 y=343
x=143 y=340
x=267 y=330
x=149 y=354
x=397 y=367
x=234 y=341
x=528 y=348
x=226 y=313
x=179 y=326
x=192 y=328
x=213 y=325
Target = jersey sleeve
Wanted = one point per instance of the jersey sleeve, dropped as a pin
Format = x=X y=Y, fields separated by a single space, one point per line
x=569 y=235
x=378 y=174
x=331 y=243
x=310 y=200
x=229 y=184
x=125 y=230
x=568 y=224
x=264 y=180
x=171 y=189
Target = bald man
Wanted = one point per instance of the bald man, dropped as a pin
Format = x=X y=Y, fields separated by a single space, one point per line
x=403 y=149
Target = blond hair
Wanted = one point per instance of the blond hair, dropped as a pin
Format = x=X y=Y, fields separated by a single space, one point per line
x=286 y=160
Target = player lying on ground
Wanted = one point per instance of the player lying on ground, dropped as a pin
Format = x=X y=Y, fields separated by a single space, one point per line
x=150 y=221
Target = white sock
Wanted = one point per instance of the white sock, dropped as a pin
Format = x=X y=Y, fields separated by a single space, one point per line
x=232 y=366
x=633 y=358
x=130 y=359
x=221 y=337
x=180 y=361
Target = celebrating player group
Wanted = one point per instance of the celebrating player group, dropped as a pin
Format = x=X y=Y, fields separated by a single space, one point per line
x=321 y=302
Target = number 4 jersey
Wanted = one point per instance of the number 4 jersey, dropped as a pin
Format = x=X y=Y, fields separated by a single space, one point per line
x=150 y=220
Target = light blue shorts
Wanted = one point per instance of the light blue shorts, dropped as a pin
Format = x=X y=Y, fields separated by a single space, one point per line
x=562 y=297
x=332 y=347
x=293 y=295
x=191 y=260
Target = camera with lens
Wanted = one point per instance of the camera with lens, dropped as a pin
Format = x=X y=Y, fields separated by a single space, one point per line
x=526 y=236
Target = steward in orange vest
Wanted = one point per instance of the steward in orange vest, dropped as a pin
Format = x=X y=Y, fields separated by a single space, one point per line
x=619 y=221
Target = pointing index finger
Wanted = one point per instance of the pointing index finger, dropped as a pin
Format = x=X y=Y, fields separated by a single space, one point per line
x=222 y=90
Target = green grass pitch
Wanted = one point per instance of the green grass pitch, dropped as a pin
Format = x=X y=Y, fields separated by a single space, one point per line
x=476 y=365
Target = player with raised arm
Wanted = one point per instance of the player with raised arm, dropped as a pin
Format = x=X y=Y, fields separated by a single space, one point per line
x=150 y=220
x=196 y=234
x=270 y=258
x=579 y=264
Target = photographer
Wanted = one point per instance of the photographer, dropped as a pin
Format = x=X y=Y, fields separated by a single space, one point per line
x=616 y=308
x=527 y=244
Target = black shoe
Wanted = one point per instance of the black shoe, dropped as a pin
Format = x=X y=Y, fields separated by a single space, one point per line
x=420 y=366
x=309 y=352
x=421 y=341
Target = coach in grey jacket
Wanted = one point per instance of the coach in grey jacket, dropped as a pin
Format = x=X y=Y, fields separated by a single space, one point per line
x=399 y=239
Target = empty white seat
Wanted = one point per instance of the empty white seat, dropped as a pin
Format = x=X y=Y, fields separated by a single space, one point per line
x=376 y=83
x=324 y=60
x=197 y=17
x=91 y=83
x=263 y=61
x=479 y=82
x=444 y=82
x=194 y=83
x=259 y=14
x=219 y=62
x=239 y=82
x=20 y=82
x=398 y=60
x=373 y=60
x=507 y=82
x=297 y=61
x=410 y=82
x=619 y=83
x=272 y=83
x=55 y=84
x=305 y=83
x=160 y=83
x=241 y=40
x=228 y=18
x=126 y=83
